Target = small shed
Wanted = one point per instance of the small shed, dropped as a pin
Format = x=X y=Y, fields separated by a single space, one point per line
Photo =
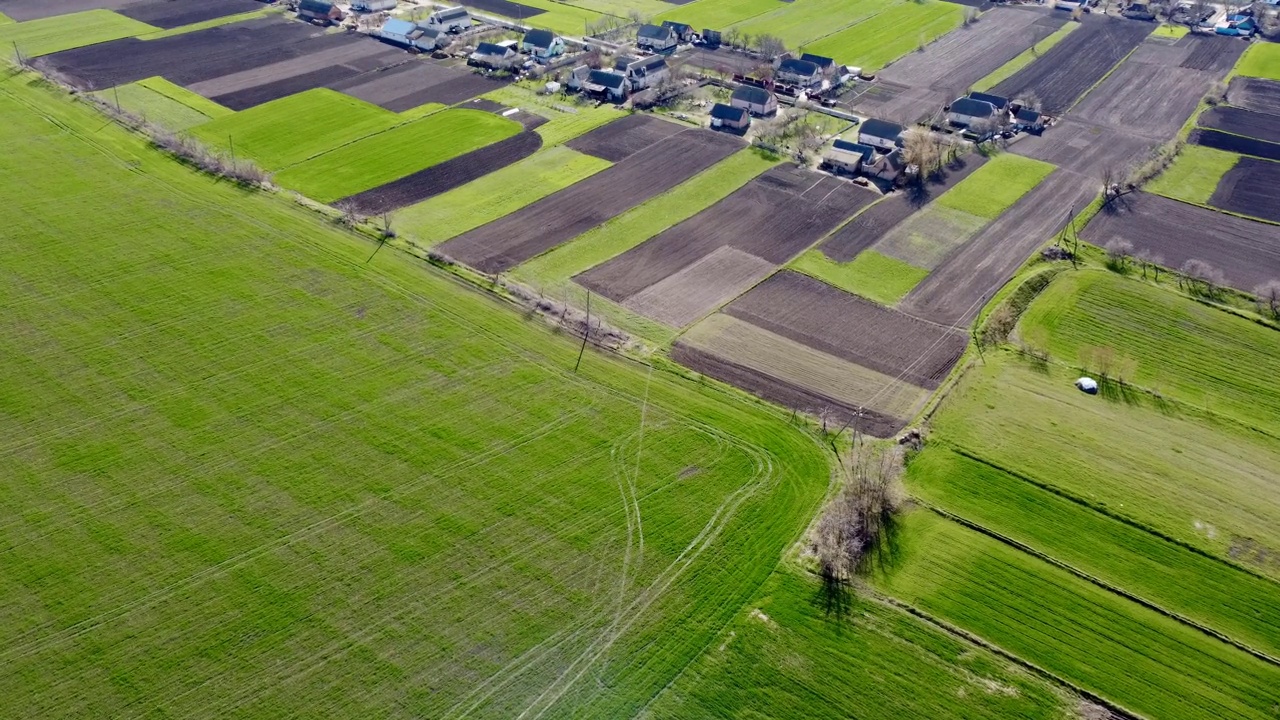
x=967 y=112
x=656 y=38
x=684 y=33
x=542 y=44
x=401 y=32
x=755 y=100
x=372 y=6
x=726 y=117
x=491 y=55
x=450 y=20
x=825 y=64
x=1028 y=120
x=848 y=156
x=880 y=134
x=429 y=39
x=606 y=83
x=799 y=72
x=319 y=11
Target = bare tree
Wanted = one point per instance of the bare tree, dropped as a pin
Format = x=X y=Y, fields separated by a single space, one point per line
x=1199 y=10
x=970 y=16
x=1268 y=297
x=856 y=532
x=1118 y=253
x=770 y=46
x=1202 y=277
x=731 y=37
x=1217 y=93
x=1031 y=101
x=919 y=149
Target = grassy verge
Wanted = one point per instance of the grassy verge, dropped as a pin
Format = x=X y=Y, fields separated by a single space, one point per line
x=1025 y=58
x=878 y=41
x=64 y=32
x=1194 y=175
x=1262 y=59
x=996 y=186
x=159 y=101
x=872 y=275
x=1104 y=643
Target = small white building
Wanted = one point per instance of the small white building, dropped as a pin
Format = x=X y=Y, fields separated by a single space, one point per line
x=450 y=20
x=880 y=134
x=656 y=38
x=542 y=44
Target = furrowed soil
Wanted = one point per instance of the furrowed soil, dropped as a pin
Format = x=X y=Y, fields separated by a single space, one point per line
x=511 y=240
x=623 y=138
x=708 y=283
x=168 y=14
x=506 y=8
x=1255 y=94
x=1081 y=59
x=772 y=218
x=822 y=317
x=1249 y=188
x=1247 y=252
x=1239 y=121
x=1219 y=140
x=414 y=83
x=446 y=176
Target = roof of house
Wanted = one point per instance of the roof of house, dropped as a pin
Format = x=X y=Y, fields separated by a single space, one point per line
x=606 y=78
x=1027 y=115
x=881 y=129
x=648 y=64
x=973 y=108
x=396 y=26
x=798 y=67
x=866 y=151
x=819 y=60
x=452 y=13
x=655 y=32
x=427 y=32
x=315 y=6
x=752 y=94
x=996 y=101
x=485 y=48
x=678 y=27
x=721 y=111
x=539 y=38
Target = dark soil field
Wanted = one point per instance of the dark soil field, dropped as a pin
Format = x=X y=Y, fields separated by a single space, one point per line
x=1083 y=147
x=873 y=223
x=23 y=10
x=719 y=59
x=1212 y=53
x=619 y=140
x=822 y=317
x=784 y=393
x=1255 y=94
x=534 y=229
x=962 y=57
x=1070 y=68
x=956 y=290
x=1247 y=252
x=356 y=56
x=505 y=8
x=197 y=56
x=1249 y=188
x=1237 y=144
x=249 y=97
x=1239 y=121
x=774 y=217
x=445 y=176
x=897 y=103
x=416 y=82
x=176 y=13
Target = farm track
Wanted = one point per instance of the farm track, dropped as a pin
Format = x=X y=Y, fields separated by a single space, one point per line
x=1249 y=188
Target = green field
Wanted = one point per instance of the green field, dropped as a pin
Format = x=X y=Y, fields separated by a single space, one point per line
x=288 y=131
x=1262 y=59
x=1229 y=600
x=622 y=8
x=785 y=657
x=1194 y=174
x=1170 y=31
x=718 y=14
x=391 y=155
x=495 y=195
x=560 y=17
x=1134 y=656
x=996 y=186
x=567 y=126
x=64 y=32
x=249 y=472
x=163 y=103
x=883 y=38
x=1024 y=58
x=872 y=275
x=802 y=22
x=5 y=19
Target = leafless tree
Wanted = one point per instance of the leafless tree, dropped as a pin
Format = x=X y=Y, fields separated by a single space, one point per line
x=747 y=40
x=1118 y=253
x=763 y=72
x=1199 y=10
x=1268 y=297
x=731 y=37
x=970 y=16
x=919 y=149
x=1202 y=277
x=770 y=46
x=1217 y=93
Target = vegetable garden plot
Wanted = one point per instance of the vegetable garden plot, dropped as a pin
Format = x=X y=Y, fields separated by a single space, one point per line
x=1249 y=188
x=1239 y=121
x=1257 y=94
x=1146 y=99
x=623 y=138
x=1240 y=145
x=169 y=14
x=415 y=83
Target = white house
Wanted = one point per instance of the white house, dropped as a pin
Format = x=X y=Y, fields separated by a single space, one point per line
x=799 y=72
x=848 y=156
x=726 y=117
x=755 y=100
x=880 y=134
x=656 y=38
x=643 y=72
x=967 y=112
x=450 y=20
x=542 y=44
x=398 y=31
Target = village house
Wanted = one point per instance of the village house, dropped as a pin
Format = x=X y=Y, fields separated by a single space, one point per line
x=967 y=112
x=846 y=156
x=430 y=39
x=656 y=38
x=880 y=134
x=755 y=100
x=492 y=56
x=401 y=32
x=825 y=64
x=643 y=72
x=542 y=44
x=372 y=6
x=450 y=20
x=684 y=33
x=798 y=72
x=725 y=117
x=319 y=11
x=1000 y=103
x=1028 y=120
x=889 y=167
x=606 y=84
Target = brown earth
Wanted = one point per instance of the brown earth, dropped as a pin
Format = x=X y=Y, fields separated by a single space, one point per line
x=169 y=14
x=265 y=93
x=1235 y=143
x=536 y=228
x=691 y=293
x=785 y=393
x=1075 y=64
x=838 y=323
x=1212 y=53
x=1247 y=252
x=1084 y=148
x=876 y=221
x=355 y=54
x=773 y=217
x=445 y=176
x=417 y=82
x=623 y=138
x=1249 y=188
x=23 y=10
x=1255 y=94
x=897 y=103
x=1238 y=121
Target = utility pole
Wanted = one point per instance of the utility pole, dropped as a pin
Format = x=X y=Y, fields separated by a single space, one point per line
x=585 y=334
x=232 y=143
x=116 y=89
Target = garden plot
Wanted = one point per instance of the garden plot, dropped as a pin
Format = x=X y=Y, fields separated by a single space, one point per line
x=169 y=14
x=1257 y=94
x=1239 y=121
x=505 y=8
x=1219 y=140
x=876 y=221
x=1084 y=148
x=1212 y=53
x=1249 y=188
x=925 y=239
x=415 y=83
x=673 y=277
x=509 y=241
x=24 y=10
x=968 y=54
x=899 y=103
x=1080 y=60
x=623 y=138
x=956 y=290
x=1247 y=252
x=1151 y=94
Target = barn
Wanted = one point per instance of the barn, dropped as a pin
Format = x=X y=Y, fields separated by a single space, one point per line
x=880 y=134
x=372 y=6
x=656 y=38
x=725 y=117
x=755 y=100
x=319 y=11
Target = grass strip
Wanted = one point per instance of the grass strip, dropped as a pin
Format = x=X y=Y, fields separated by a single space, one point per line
x=159 y=101
x=883 y=38
x=65 y=32
x=1194 y=175
x=872 y=275
x=1261 y=59
x=996 y=186
x=1025 y=58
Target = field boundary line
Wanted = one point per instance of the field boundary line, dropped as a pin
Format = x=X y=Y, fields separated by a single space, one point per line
x=1103 y=79
x=1097 y=581
x=964 y=452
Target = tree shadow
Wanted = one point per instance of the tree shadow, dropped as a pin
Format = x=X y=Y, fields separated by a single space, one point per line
x=834 y=596
x=1116 y=391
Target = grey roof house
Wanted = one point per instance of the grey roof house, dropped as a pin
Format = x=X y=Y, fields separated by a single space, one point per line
x=755 y=100
x=656 y=38
x=880 y=134
x=799 y=72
